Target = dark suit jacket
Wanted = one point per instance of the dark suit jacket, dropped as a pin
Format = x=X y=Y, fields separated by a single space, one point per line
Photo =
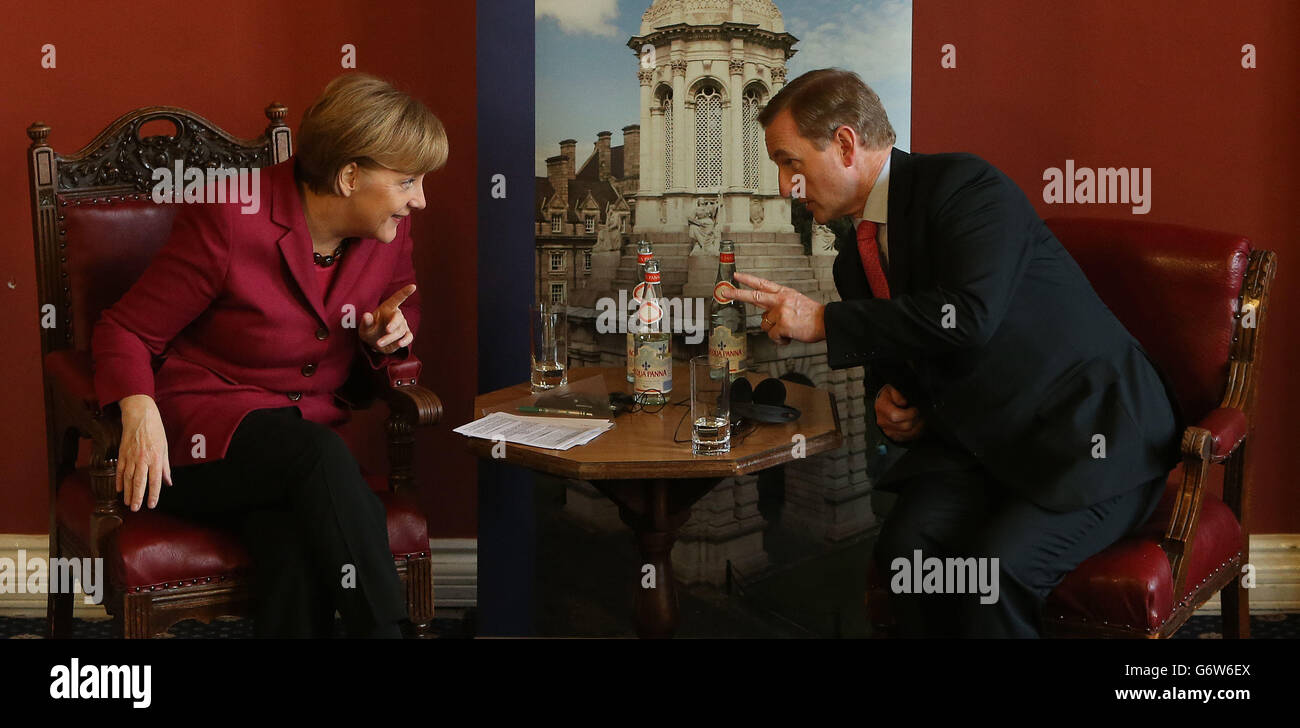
x=232 y=304
x=1033 y=367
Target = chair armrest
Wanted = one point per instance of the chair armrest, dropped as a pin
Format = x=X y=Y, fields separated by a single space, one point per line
x=408 y=401
x=403 y=373
x=76 y=407
x=365 y=384
x=1214 y=439
x=410 y=407
x=1227 y=430
x=415 y=404
x=71 y=374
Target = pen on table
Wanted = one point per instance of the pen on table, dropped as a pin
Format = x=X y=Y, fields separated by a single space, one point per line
x=554 y=411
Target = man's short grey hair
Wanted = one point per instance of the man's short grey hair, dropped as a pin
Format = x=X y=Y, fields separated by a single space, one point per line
x=822 y=101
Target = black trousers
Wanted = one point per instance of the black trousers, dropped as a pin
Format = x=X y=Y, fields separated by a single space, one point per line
x=960 y=514
x=315 y=531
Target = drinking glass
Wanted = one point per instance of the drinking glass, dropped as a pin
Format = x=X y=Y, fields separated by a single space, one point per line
x=548 y=325
x=710 y=407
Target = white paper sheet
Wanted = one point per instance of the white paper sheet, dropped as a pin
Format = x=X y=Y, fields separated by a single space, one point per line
x=552 y=433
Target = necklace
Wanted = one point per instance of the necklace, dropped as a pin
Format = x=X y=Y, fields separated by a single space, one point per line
x=326 y=261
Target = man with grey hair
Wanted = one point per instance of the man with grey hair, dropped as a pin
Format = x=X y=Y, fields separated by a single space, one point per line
x=991 y=359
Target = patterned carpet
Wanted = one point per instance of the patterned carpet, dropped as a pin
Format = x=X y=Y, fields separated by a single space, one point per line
x=1263 y=626
x=221 y=628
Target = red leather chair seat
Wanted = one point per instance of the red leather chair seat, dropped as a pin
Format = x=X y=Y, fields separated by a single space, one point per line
x=1130 y=584
x=158 y=551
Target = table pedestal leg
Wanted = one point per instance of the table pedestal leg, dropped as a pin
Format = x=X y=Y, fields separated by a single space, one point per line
x=654 y=509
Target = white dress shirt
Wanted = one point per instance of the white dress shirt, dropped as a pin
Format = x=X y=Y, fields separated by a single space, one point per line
x=877 y=210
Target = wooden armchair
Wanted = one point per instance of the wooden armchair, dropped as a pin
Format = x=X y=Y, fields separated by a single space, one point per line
x=95 y=230
x=1196 y=300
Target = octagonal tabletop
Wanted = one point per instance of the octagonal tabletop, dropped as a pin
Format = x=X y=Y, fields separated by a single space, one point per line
x=640 y=444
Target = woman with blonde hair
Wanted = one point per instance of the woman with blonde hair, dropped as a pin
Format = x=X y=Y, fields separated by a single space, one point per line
x=259 y=319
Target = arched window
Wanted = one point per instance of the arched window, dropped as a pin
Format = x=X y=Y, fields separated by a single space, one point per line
x=753 y=135
x=708 y=136
x=666 y=103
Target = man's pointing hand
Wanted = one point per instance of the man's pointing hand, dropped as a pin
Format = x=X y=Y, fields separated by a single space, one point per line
x=787 y=313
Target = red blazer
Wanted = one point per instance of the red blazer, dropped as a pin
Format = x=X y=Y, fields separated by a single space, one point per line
x=233 y=304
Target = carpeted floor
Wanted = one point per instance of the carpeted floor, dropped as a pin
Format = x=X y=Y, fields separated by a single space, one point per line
x=584 y=588
x=221 y=628
x=809 y=590
x=1263 y=626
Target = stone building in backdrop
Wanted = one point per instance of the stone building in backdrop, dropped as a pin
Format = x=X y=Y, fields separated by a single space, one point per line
x=582 y=211
x=693 y=171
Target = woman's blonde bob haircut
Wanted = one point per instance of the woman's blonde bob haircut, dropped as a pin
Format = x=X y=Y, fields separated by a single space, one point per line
x=363 y=119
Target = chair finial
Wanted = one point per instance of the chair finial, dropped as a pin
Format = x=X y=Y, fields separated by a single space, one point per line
x=38 y=132
x=276 y=113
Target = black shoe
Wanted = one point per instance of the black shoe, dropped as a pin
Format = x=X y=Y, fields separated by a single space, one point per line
x=409 y=630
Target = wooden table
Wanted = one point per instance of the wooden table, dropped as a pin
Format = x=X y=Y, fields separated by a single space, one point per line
x=655 y=481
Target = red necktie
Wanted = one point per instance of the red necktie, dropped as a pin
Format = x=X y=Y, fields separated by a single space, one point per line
x=870 y=254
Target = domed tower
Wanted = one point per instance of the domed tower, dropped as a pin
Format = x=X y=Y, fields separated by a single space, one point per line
x=706 y=69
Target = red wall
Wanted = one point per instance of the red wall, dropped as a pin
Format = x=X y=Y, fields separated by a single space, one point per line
x=1157 y=84
x=227 y=63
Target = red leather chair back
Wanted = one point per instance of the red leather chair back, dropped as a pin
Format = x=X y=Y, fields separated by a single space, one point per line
x=108 y=243
x=1174 y=288
x=95 y=224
